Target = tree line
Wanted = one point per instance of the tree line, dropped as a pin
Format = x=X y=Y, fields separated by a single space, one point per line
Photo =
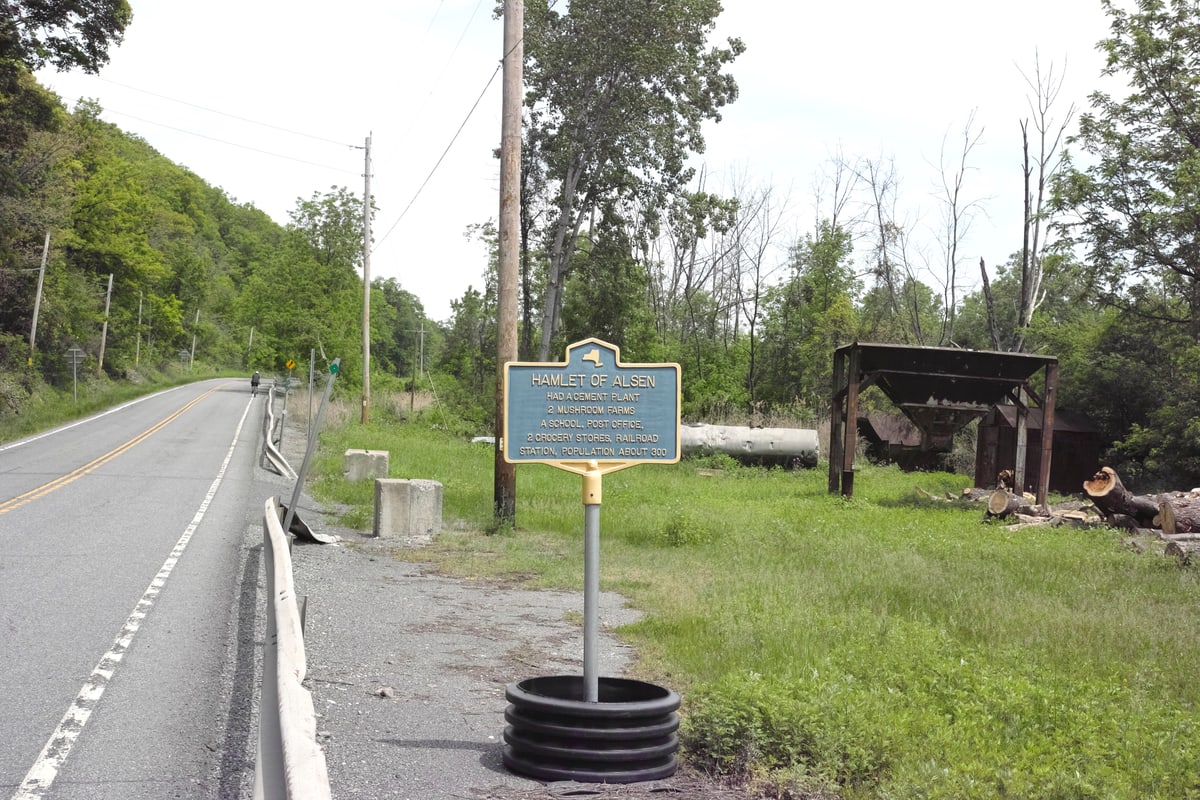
x=623 y=238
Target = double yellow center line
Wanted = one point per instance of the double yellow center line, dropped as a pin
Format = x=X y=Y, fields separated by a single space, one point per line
x=91 y=466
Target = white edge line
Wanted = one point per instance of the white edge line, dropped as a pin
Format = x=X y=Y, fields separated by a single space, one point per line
x=45 y=769
x=94 y=417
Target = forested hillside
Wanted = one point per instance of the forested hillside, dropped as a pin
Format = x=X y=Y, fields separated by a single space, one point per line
x=622 y=240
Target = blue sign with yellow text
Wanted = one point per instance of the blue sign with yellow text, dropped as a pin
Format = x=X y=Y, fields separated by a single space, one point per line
x=591 y=408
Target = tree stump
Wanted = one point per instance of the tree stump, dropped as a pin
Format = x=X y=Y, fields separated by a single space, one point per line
x=1112 y=498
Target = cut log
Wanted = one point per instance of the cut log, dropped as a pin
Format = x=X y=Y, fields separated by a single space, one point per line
x=1002 y=503
x=1178 y=537
x=1076 y=519
x=1184 y=551
x=1179 y=513
x=1112 y=498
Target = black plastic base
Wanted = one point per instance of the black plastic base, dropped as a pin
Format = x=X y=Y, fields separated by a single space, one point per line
x=627 y=736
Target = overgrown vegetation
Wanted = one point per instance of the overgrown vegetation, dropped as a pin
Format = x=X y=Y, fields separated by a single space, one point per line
x=883 y=647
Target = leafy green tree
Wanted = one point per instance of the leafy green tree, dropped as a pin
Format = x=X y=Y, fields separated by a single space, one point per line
x=37 y=146
x=402 y=334
x=331 y=223
x=1134 y=207
x=807 y=318
x=607 y=295
x=617 y=97
x=916 y=316
x=62 y=33
x=1133 y=197
x=469 y=354
x=33 y=34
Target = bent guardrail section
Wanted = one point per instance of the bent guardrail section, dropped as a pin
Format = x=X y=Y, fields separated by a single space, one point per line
x=273 y=458
x=290 y=765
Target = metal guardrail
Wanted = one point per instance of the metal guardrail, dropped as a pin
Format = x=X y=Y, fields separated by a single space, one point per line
x=290 y=765
x=271 y=455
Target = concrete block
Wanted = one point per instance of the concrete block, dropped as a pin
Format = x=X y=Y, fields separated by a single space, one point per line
x=407 y=509
x=363 y=464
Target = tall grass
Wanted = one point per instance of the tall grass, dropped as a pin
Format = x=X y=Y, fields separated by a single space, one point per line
x=889 y=646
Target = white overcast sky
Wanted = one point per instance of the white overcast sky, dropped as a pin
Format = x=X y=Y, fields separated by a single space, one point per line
x=272 y=101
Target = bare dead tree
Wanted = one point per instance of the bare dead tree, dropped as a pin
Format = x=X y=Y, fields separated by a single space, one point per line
x=833 y=189
x=990 y=305
x=881 y=182
x=1037 y=169
x=957 y=215
x=893 y=260
x=762 y=256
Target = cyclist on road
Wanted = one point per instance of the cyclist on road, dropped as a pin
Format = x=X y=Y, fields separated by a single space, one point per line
x=254 y=384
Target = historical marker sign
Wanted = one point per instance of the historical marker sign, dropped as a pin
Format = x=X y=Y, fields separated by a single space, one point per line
x=591 y=408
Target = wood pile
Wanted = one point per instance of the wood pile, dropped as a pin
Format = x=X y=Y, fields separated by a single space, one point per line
x=1172 y=518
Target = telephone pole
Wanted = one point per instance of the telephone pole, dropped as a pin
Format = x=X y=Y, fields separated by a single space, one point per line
x=366 y=392
x=37 y=300
x=137 y=354
x=195 y=328
x=104 y=331
x=505 y=497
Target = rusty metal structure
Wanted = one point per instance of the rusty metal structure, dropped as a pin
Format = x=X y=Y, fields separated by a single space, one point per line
x=941 y=390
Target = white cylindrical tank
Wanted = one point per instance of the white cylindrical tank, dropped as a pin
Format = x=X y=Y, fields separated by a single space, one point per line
x=789 y=447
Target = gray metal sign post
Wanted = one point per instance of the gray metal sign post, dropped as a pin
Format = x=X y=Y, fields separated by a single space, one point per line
x=76 y=355
x=334 y=368
x=591 y=415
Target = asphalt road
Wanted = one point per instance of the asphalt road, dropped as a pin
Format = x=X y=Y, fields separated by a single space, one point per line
x=128 y=579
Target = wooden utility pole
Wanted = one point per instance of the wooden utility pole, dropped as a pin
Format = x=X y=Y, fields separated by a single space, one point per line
x=137 y=354
x=37 y=300
x=104 y=330
x=505 y=499
x=195 y=328
x=366 y=393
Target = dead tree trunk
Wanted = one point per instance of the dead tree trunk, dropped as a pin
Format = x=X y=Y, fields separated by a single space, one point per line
x=1112 y=498
x=1179 y=512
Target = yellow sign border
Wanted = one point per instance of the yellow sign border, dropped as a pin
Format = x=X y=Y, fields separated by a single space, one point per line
x=590 y=466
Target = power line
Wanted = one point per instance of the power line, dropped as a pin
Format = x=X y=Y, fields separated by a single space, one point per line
x=441 y=158
x=221 y=113
x=233 y=144
x=447 y=150
x=449 y=59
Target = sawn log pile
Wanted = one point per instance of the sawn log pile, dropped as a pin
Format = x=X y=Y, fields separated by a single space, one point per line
x=1171 y=518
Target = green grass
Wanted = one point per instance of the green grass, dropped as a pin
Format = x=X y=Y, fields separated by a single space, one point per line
x=890 y=646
